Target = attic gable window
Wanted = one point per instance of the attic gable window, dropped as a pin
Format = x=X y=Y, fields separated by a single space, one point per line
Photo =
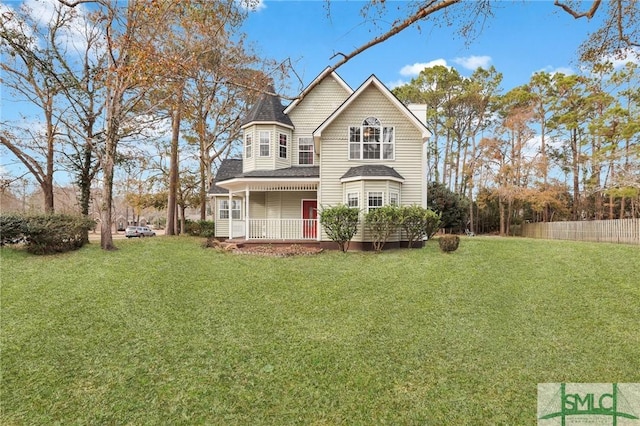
x=371 y=141
x=265 y=141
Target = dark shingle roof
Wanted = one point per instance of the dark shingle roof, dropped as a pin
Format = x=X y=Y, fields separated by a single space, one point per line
x=268 y=109
x=229 y=168
x=293 y=172
x=372 y=170
x=232 y=168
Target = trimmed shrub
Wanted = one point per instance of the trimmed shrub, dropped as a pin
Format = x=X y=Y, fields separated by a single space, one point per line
x=46 y=234
x=11 y=229
x=200 y=228
x=382 y=222
x=449 y=243
x=340 y=223
x=418 y=222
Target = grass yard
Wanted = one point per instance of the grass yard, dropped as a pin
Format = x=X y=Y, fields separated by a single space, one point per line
x=166 y=332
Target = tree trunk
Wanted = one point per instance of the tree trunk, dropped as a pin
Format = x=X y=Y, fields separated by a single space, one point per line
x=502 y=218
x=173 y=171
x=576 y=174
x=106 y=236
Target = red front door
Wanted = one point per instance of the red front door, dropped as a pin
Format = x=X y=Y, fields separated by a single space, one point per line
x=309 y=216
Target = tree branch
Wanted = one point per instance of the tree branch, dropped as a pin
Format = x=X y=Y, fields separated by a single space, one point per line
x=418 y=16
x=590 y=14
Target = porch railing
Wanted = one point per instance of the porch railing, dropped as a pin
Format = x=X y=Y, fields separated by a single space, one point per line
x=283 y=229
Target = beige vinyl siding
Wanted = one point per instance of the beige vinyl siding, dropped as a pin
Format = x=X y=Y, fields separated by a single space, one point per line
x=314 y=109
x=273 y=161
x=334 y=152
x=249 y=163
x=286 y=205
x=356 y=187
x=282 y=163
x=257 y=205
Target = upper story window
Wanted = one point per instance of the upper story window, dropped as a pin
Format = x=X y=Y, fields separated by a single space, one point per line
x=282 y=146
x=265 y=142
x=248 y=145
x=305 y=151
x=371 y=141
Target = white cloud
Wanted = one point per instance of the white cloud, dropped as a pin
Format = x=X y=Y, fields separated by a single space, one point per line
x=629 y=55
x=253 y=5
x=473 y=62
x=557 y=70
x=414 y=70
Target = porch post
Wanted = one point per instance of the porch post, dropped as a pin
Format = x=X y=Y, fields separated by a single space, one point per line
x=246 y=213
x=230 y=215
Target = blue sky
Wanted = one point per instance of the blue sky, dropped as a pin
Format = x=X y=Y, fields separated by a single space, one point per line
x=521 y=38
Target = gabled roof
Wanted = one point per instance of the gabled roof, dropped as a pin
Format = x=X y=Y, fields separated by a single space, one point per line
x=324 y=74
x=371 y=171
x=373 y=81
x=268 y=109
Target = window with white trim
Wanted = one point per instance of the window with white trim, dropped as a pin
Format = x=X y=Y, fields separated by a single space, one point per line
x=223 y=209
x=305 y=151
x=374 y=200
x=394 y=199
x=353 y=199
x=236 y=209
x=282 y=140
x=248 y=145
x=265 y=141
x=371 y=141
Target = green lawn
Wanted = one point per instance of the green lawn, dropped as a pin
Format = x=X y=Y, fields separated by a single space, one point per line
x=163 y=331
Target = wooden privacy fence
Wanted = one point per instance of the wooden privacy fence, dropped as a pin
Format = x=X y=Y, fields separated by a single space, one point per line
x=626 y=231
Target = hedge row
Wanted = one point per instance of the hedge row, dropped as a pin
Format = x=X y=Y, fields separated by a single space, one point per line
x=46 y=234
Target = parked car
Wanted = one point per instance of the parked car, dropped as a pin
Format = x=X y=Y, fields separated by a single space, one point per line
x=138 y=231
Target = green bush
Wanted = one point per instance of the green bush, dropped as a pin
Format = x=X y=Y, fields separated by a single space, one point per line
x=11 y=229
x=382 y=222
x=45 y=234
x=200 y=228
x=340 y=223
x=418 y=222
x=449 y=243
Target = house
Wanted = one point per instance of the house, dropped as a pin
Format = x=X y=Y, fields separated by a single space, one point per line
x=363 y=148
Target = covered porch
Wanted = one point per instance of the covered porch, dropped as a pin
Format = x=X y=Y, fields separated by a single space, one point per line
x=268 y=211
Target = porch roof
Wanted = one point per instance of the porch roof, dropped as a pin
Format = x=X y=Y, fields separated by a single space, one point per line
x=230 y=176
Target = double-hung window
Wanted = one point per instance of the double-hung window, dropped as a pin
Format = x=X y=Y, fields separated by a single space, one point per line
x=223 y=212
x=248 y=145
x=394 y=199
x=265 y=141
x=282 y=141
x=353 y=199
x=305 y=151
x=374 y=200
x=371 y=141
x=236 y=209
